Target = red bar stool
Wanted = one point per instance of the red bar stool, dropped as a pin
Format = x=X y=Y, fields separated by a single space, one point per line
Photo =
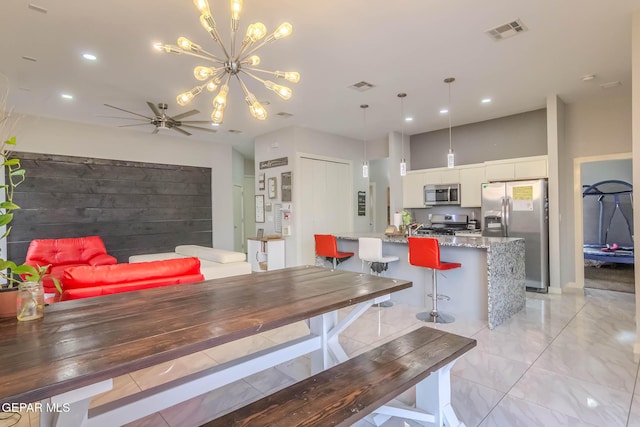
x=425 y=252
x=327 y=247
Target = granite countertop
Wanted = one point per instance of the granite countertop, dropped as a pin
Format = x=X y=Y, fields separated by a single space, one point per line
x=453 y=241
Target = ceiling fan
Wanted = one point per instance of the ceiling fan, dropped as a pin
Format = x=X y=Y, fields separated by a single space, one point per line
x=161 y=120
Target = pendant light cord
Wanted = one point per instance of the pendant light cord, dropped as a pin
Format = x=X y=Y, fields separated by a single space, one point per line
x=449 y=116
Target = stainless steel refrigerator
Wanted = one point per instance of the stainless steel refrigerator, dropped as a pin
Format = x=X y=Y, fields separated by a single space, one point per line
x=520 y=209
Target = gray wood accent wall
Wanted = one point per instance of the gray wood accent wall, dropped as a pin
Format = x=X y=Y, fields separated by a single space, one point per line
x=137 y=208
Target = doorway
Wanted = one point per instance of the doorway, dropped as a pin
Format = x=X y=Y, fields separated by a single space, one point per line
x=596 y=265
x=238 y=219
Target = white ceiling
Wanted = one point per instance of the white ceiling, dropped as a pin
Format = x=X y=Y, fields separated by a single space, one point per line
x=398 y=46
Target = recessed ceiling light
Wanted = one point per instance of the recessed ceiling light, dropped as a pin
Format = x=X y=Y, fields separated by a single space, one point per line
x=486 y=100
x=66 y=96
x=89 y=56
x=408 y=119
x=444 y=111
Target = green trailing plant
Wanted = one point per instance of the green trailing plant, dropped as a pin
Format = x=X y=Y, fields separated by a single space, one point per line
x=14 y=176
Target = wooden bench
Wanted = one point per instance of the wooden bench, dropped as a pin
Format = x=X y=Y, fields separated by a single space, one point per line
x=365 y=385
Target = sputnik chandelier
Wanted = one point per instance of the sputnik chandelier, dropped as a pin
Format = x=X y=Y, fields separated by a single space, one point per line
x=233 y=63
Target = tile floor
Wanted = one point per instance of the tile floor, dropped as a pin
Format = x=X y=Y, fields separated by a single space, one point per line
x=566 y=360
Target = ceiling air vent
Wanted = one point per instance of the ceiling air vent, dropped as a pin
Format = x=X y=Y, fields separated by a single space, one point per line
x=234 y=131
x=284 y=115
x=362 y=86
x=507 y=30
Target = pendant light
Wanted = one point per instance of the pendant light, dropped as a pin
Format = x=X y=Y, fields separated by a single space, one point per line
x=450 y=155
x=403 y=162
x=365 y=164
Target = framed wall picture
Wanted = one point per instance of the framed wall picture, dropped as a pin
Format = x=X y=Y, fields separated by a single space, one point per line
x=261 y=181
x=260 y=208
x=286 y=186
x=272 y=189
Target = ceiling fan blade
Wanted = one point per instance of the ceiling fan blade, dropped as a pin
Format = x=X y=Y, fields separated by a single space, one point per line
x=122 y=118
x=181 y=131
x=199 y=128
x=137 y=124
x=153 y=108
x=156 y=130
x=197 y=121
x=187 y=114
x=127 y=111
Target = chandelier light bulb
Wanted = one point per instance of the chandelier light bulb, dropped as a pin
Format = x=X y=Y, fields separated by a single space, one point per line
x=258 y=111
x=213 y=84
x=186 y=97
x=282 y=91
x=203 y=73
x=167 y=48
x=187 y=44
x=236 y=8
x=217 y=115
x=256 y=32
x=221 y=98
x=291 y=76
x=252 y=61
x=284 y=30
x=203 y=6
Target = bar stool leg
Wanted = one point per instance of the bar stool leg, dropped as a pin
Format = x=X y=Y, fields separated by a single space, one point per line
x=434 y=316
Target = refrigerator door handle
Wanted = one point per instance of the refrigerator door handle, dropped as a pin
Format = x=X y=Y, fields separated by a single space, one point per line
x=506 y=211
x=502 y=216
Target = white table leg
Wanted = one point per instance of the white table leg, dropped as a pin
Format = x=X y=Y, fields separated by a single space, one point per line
x=321 y=325
x=433 y=394
x=70 y=409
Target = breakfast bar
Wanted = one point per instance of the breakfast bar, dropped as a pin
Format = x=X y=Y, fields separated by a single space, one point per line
x=490 y=286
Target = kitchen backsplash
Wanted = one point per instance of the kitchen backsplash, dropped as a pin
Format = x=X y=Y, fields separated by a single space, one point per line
x=422 y=215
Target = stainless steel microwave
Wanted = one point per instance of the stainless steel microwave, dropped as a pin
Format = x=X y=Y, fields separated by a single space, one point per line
x=441 y=194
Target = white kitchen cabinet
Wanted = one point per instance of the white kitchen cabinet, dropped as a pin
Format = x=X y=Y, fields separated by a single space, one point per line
x=471 y=179
x=450 y=176
x=266 y=254
x=531 y=168
x=432 y=177
x=412 y=189
x=521 y=168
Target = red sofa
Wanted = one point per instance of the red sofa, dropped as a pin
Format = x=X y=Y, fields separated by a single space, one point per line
x=61 y=254
x=87 y=281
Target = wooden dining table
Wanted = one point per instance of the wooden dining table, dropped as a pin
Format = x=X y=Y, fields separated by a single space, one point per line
x=63 y=360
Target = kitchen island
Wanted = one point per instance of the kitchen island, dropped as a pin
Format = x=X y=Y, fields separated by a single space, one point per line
x=490 y=285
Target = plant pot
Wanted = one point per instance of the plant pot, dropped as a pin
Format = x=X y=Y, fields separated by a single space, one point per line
x=30 y=301
x=8 y=302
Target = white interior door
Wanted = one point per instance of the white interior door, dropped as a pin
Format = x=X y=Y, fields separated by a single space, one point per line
x=324 y=204
x=238 y=219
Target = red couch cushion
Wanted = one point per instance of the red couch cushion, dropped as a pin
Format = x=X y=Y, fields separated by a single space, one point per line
x=140 y=272
x=79 y=293
x=80 y=250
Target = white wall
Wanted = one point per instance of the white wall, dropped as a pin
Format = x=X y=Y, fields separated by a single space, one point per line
x=51 y=136
x=594 y=127
x=291 y=142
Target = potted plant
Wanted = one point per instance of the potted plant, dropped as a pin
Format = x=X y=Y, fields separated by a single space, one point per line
x=22 y=293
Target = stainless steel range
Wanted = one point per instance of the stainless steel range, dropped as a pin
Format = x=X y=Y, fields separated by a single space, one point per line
x=444 y=225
